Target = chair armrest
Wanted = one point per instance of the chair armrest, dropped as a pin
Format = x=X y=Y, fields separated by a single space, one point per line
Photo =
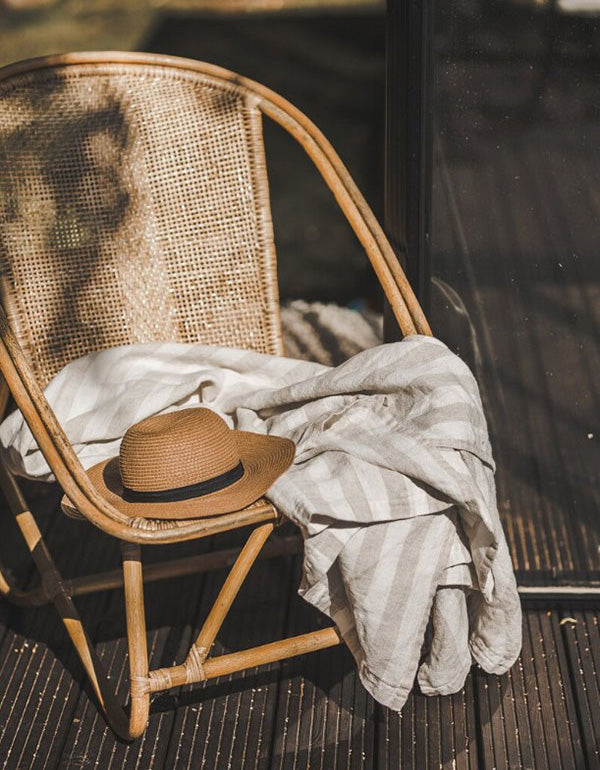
x=50 y=436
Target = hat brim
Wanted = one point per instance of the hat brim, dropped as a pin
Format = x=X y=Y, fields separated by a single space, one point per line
x=264 y=459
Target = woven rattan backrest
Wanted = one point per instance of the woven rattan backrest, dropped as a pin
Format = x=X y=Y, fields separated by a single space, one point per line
x=133 y=207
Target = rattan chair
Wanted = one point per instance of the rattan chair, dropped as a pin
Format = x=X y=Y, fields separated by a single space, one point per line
x=134 y=207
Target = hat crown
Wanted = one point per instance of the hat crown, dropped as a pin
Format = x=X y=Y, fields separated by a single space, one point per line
x=177 y=449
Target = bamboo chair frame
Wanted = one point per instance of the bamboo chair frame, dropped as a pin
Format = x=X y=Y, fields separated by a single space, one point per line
x=20 y=381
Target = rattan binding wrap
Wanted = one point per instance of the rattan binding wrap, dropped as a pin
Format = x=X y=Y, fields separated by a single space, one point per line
x=133 y=207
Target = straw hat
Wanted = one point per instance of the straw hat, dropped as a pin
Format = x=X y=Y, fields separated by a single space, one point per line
x=189 y=464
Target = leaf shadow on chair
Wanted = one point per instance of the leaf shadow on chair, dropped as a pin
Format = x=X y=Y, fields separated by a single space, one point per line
x=62 y=198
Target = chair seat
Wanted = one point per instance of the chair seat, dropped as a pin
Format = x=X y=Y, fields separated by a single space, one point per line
x=170 y=529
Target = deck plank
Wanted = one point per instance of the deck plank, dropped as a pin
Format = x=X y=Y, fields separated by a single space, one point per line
x=582 y=648
x=325 y=719
x=529 y=717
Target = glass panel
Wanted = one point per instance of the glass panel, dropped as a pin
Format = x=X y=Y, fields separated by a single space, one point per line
x=515 y=240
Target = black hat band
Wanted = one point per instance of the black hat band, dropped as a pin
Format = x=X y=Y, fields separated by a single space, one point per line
x=200 y=489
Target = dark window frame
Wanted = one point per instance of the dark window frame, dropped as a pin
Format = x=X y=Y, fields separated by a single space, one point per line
x=409 y=143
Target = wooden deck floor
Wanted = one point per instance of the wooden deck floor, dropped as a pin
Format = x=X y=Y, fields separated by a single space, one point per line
x=310 y=712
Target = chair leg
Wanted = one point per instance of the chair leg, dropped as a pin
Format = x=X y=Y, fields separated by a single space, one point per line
x=53 y=586
x=35 y=597
x=136 y=638
x=191 y=670
x=229 y=591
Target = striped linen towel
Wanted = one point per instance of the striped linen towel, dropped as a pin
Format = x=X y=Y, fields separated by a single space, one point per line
x=392 y=488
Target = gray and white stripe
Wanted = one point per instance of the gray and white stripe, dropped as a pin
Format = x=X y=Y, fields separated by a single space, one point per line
x=392 y=487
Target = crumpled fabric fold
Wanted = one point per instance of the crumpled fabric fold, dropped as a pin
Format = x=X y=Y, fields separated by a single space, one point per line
x=392 y=487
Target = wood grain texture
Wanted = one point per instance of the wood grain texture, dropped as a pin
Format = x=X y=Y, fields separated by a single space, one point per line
x=309 y=712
